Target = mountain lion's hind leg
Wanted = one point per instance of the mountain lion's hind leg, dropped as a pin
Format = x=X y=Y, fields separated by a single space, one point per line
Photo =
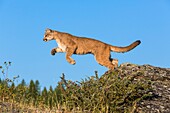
x=69 y=52
x=104 y=60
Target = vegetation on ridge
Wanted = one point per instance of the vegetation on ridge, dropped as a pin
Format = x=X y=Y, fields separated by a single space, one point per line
x=108 y=93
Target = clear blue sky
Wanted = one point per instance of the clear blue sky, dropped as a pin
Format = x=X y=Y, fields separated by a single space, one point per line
x=117 y=22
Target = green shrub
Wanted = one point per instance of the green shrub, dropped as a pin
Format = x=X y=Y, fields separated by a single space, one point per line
x=109 y=93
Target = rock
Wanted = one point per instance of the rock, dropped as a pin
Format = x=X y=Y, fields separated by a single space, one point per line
x=160 y=79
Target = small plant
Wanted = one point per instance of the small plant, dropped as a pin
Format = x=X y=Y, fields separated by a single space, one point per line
x=5 y=68
x=5 y=71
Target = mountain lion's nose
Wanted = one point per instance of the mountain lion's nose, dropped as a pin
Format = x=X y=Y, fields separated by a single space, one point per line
x=45 y=40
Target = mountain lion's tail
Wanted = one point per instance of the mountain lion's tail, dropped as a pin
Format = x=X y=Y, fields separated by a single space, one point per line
x=125 y=49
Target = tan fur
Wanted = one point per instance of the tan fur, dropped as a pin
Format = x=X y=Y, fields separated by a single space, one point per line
x=81 y=45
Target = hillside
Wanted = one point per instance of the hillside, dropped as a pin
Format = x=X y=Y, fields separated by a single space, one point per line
x=129 y=88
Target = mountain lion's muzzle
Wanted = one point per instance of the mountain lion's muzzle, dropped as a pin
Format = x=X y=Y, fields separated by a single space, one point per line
x=45 y=40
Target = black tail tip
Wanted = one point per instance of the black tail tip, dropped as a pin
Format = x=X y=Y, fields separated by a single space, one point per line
x=138 y=41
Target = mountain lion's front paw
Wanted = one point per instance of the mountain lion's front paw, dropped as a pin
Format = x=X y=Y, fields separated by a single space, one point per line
x=72 y=62
x=53 y=51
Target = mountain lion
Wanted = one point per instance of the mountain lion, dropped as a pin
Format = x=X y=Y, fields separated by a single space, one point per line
x=81 y=45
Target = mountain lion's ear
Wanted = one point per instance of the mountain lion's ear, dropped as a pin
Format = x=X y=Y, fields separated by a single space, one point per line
x=48 y=30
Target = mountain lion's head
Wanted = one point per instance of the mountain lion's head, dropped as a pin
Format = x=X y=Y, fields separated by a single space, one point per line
x=49 y=35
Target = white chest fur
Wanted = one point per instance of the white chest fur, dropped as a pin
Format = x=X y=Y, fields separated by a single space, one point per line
x=61 y=45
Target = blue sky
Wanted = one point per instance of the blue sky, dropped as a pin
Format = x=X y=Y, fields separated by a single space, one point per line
x=116 y=22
